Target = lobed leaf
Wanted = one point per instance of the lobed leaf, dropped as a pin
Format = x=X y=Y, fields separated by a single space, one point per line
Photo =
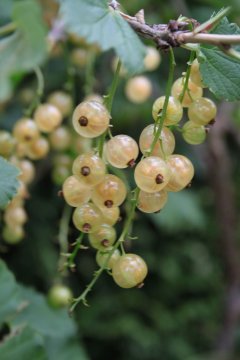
x=98 y=23
x=8 y=182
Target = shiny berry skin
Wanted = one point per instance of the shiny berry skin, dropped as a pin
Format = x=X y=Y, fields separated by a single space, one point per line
x=174 y=110
x=110 y=192
x=182 y=172
x=38 y=149
x=87 y=218
x=152 y=202
x=75 y=192
x=102 y=256
x=59 y=296
x=25 y=130
x=60 y=139
x=47 y=117
x=152 y=174
x=194 y=90
x=7 y=144
x=195 y=75
x=103 y=237
x=89 y=168
x=202 y=111
x=121 y=151
x=110 y=215
x=129 y=271
x=152 y=59
x=138 y=89
x=160 y=149
x=62 y=101
x=15 y=216
x=90 y=119
x=193 y=134
x=27 y=171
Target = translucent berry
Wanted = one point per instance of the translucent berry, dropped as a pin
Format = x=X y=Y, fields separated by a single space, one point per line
x=129 y=271
x=193 y=93
x=110 y=192
x=38 y=149
x=15 y=216
x=174 y=110
x=152 y=202
x=60 y=139
x=202 y=111
x=182 y=172
x=90 y=119
x=62 y=101
x=162 y=148
x=195 y=75
x=89 y=168
x=152 y=174
x=28 y=171
x=7 y=144
x=25 y=130
x=87 y=218
x=138 y=89
x=103 y=237
x=110 y=215
x=13 y=234
x=121 y=151
x=103 y=258
x=152 y=59
x=47 y=117
x=60 y=296
x=193 y=134
x=75 y=192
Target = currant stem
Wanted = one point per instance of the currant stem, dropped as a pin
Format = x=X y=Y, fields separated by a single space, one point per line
x=162 y=117
x=185 y=86
x=97 y=274
x=70 y=260
x=108 y=101
x=63 y=235
x=39 y=91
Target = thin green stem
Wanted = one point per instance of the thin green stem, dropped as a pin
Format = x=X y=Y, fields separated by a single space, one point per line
x=163 y=114
x=108 y=101
x=63 y=235
x=6 y=29
x=71 y=258
x=89 y=74
x=187 y=76
x=39 y=91
x=83 y=297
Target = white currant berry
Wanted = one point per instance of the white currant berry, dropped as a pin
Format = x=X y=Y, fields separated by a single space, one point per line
x=121 y=151
x=62 y=101
x=152 y=174
x=152 y=59
x=202 y=111
x=129 y=271
x=193 y=134
x=138 y=89
x=165 y=144
x=152 y=202
x=103 y=237
x=91 y=119
x=60 y=138
x=47 y=117
x=89 y=168
x=87 y=218
x=174 y=111
x=102 y=257
x=75 y=192
x=38 y=149
x=182 y=172
x=193 y=92
x=25 y=130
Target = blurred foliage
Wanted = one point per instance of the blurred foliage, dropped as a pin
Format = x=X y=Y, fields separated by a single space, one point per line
x=179 y=312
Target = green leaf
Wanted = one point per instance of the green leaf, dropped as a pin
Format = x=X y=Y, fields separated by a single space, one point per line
x=8 y=182
x=27 y=345
x=26 y=47
x=182 y=212
x=64 y=349
x=98 y=23
x=42 y=318
x=221 y=73
x=10 y=299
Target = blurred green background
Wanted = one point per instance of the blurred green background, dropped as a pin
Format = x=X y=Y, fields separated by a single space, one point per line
x=189 y=306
